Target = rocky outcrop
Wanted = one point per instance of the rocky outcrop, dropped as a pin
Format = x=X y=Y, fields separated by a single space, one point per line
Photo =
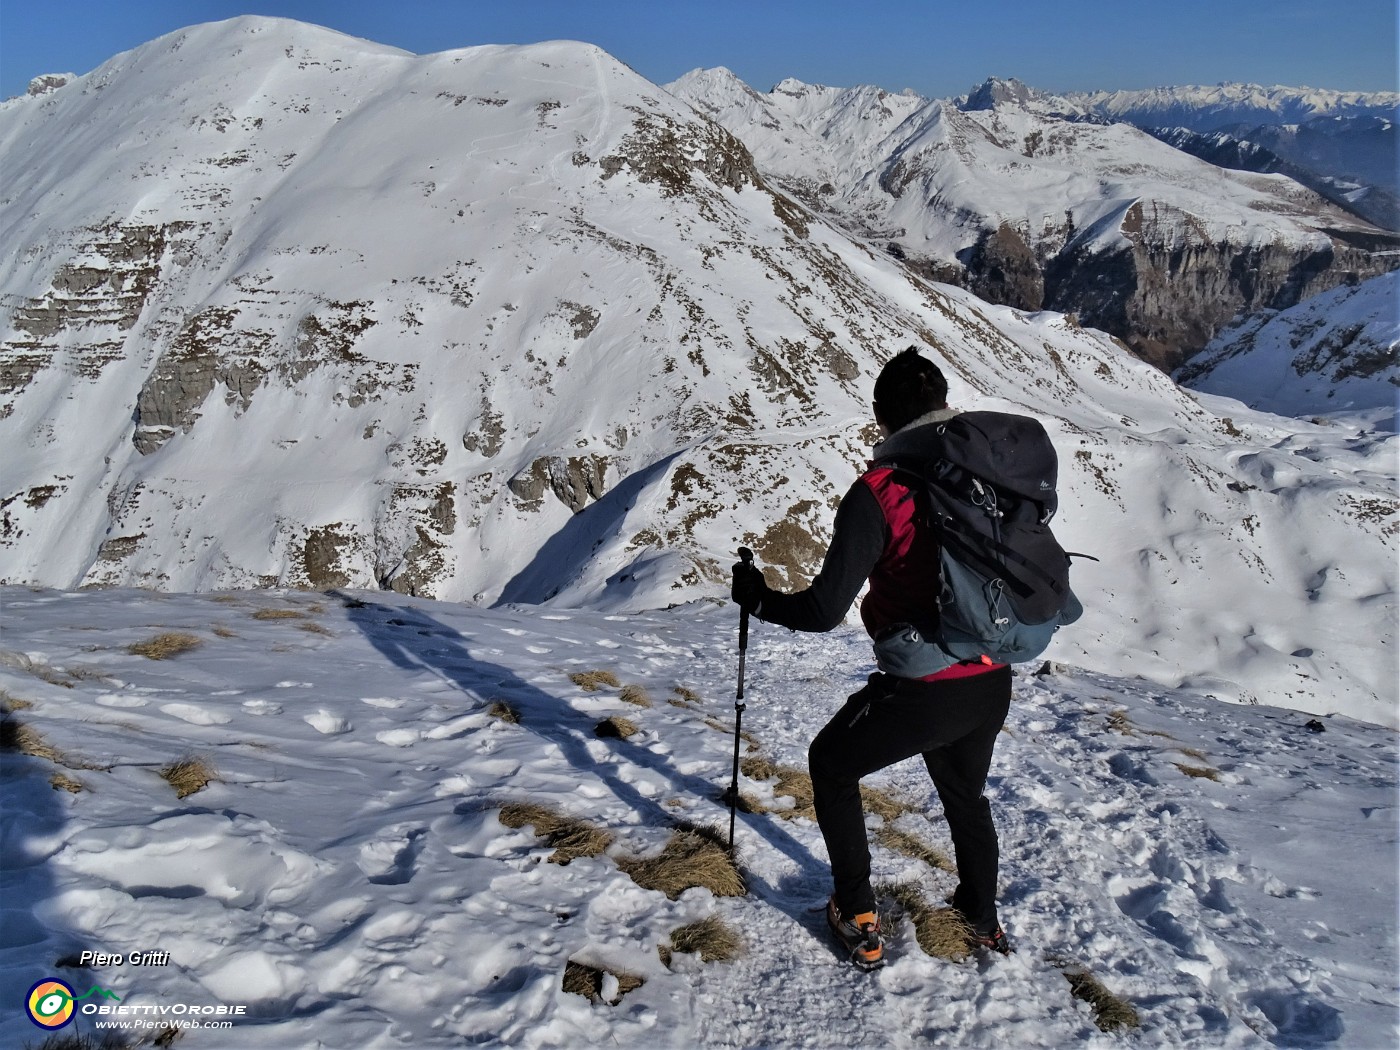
x=89 y=306
x=205 y=354
x=574 y=480
x=1174 y=288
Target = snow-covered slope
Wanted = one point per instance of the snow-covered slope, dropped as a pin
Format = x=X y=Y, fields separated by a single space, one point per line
x=513 y=324
x=1337 y=352
x=347 y=880
x=1030 y=201
x=1208 y=108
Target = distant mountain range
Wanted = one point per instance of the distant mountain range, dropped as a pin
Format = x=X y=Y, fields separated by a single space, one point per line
x=1222 y=106
x=1032 y=200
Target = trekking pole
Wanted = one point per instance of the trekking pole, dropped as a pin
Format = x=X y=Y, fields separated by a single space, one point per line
x=745 y=556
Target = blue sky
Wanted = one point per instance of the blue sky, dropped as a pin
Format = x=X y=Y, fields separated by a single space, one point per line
x=937 y=47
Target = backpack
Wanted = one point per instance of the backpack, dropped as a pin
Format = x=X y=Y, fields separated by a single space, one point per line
x=987 y=491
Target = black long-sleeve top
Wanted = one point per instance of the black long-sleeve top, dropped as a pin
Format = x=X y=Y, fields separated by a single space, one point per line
x=858 y=539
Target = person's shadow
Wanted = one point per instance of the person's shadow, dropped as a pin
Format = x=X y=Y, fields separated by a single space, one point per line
x=414 y=641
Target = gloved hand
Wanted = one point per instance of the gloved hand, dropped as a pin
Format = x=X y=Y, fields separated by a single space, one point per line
x=748 y=588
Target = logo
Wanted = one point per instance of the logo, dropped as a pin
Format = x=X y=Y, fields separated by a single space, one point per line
x=50 y=1002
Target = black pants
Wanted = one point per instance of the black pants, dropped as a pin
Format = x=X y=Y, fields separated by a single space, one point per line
x=954 y=725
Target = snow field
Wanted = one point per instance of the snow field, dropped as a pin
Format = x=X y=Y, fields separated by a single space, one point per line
x=346 y=878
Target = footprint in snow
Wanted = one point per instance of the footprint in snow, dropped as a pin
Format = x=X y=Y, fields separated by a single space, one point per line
x=391 y=859
x=388 y=702
x=196 y=715
x=328 y=723
x=118 y=700
x=262 y=707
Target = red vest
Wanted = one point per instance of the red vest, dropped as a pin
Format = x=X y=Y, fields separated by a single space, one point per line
x=904 y=583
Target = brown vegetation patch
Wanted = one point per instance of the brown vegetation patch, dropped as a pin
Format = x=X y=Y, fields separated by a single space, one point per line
x=792 y=783
x=592 y=681
x=63 y=782
x=587 y=981
x=941 y=932
x=165 y=646
x=689 y=696
x=1119 y=722
x=711 y=938
x=188 y=775
x=502 y=711
x=615 y=727
x=883 y=804
x=912 y=846
x=635 y=694
x=10 y=703
x=1111 y=1013
x=694 y=856
x=279 y=614
x=1200 y=772
x=571 y=837
x=16 y=736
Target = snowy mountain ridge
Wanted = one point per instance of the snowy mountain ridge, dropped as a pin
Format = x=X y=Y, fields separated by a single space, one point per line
x=1206 y=108
x=513 y=325
x=1028 y=200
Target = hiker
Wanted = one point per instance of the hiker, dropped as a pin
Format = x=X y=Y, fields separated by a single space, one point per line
x=951 y=717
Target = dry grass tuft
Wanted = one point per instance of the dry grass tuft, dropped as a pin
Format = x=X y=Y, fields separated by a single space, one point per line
x=165 y=646
x=592 y=681
x=792 y=783
x=587 y=981
x=279 y=614
x=615 y=727
x=1201 y=772
x=10 y=704
x=501 y=710
x=694 y=856
x=1119 y=722
x=188 y=775
x=17 y=736
x=1191 y=752
x=313 y=628
x=1111 y=1013
x=635 y=694
x=571 y=837
x=713 y=939
x=883 y=804
x=756 y=767
x=224 y=632
x=941 y=932
x=63 y=782
x=686 y=696
x=912 y=846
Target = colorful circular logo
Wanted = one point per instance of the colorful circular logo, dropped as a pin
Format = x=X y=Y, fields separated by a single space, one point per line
x=50 y=1004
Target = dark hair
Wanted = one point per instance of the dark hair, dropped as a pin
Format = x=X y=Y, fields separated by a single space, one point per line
x=909 y=386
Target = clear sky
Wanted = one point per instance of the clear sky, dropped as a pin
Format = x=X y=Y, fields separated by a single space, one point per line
x=940 y=48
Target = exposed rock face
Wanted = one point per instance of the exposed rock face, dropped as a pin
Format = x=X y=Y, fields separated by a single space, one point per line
x=204 y=354
x=90 y=306
x=1167 y=297
x=574 y=480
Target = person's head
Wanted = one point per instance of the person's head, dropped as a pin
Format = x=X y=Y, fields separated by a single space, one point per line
x=909 y=386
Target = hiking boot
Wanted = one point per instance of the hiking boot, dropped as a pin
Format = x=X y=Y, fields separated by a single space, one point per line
x=995 y=941
x=860 y=934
